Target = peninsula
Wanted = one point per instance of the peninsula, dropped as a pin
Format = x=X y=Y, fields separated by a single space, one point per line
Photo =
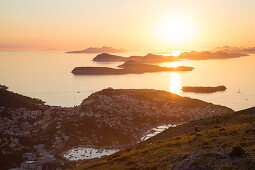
x=129 y=67
x=199 y=89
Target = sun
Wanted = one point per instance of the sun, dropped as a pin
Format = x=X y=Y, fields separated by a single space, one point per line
x=175 y=53
x=175 y=30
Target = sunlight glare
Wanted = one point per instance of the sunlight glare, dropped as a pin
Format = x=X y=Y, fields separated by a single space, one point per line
x=175 y=64
x=175 y=83
x=175 y=30
x=175 y=53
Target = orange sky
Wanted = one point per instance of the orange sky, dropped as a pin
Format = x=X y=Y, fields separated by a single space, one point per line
x=133 y=24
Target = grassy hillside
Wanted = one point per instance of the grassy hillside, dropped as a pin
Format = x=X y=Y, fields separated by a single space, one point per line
x=224 y=142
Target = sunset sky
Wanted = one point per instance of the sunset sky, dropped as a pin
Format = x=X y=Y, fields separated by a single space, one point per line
x=130 y=24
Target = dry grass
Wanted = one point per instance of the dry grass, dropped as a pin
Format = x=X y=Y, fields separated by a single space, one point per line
x=219 y=135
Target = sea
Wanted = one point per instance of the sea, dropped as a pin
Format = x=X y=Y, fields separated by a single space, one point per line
x=47 y=75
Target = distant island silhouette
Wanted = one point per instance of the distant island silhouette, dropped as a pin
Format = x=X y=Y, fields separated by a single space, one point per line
x=199 y=89
x=154 y=58
x=103 y=49
x=248 y=50
x=144 y=64
x=207 y=55
x=149 y=58
x=129 y=67
x=105 y=57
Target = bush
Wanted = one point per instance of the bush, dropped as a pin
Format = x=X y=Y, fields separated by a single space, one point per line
x=237 y=151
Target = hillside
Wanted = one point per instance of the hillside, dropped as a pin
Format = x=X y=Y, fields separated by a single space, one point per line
x=10 y=99
x=111 y=112
x=223 y=142
x=113 y=118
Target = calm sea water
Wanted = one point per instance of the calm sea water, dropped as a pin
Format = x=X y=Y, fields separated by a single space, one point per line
x=47 y=75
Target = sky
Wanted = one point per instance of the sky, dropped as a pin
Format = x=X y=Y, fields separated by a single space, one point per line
x=129 y=24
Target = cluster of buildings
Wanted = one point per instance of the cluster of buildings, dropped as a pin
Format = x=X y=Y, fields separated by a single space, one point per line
x=130 y=112
x=42 y=163
x=120 y=110
x=20 y=126
x=134 y=112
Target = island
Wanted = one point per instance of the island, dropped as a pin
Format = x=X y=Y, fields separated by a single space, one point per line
x=199 y=89
x=153 y=58
x=149 y=58
x=207 y=55
x=129 y=67
x=103 y=49
x=105 y=57
x=248 y=50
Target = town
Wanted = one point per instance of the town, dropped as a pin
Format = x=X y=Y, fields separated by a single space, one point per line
x=112 y=118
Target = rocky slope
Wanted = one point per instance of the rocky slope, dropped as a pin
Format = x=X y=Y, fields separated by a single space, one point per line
x=221 y=142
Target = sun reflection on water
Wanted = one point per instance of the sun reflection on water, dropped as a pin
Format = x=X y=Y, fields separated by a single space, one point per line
x=175 y=64
x=175 y=83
